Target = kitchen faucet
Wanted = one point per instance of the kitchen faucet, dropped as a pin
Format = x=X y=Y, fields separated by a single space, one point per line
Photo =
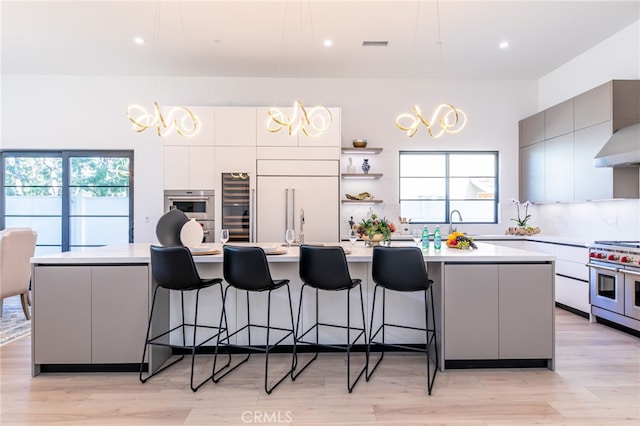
x=451 y=228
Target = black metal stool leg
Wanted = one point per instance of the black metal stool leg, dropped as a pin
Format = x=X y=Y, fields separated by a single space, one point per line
x=298 y=337
x=430 y=379
x=349 y=344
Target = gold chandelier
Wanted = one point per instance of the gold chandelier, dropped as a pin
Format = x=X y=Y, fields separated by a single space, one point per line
x=445 y=118
x=313 y=123
x=178 y=119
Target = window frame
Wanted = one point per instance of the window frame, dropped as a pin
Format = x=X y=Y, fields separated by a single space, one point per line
x=66 y=156
x=447 y=177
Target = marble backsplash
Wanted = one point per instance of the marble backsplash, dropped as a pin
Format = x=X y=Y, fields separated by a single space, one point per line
x=591 y=220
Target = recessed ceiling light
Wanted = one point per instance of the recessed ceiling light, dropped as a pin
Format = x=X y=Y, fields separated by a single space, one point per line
x=138 y=40
x=328 y=43
x=503 y=45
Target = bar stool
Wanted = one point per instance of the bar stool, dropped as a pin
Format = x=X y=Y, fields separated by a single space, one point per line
x=325 y=268
x=173 y=269
x=402 y=269
x=246 y=269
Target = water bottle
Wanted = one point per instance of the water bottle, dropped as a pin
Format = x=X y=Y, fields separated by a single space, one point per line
x=425 y=238
x=437 y=239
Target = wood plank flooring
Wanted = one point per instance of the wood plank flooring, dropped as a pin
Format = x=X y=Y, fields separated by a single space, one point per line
x=597 y=382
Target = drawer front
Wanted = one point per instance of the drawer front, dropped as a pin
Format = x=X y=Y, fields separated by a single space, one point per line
x=572 y=269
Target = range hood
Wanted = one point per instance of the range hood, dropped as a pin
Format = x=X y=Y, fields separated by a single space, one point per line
x=622 y=149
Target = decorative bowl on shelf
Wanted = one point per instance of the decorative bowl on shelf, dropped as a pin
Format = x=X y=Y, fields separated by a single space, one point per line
x=359 y=143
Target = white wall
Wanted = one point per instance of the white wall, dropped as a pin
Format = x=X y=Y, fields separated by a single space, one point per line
x=615 y=58
x=76 y=112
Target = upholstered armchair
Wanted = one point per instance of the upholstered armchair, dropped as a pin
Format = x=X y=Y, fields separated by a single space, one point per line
x=17 y=246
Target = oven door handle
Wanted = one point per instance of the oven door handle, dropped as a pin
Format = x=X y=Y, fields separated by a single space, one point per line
x=606 y=268
x=626 y=271
x=187 y=198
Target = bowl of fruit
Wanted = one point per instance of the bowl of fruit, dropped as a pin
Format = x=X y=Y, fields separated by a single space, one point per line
x=460 y=241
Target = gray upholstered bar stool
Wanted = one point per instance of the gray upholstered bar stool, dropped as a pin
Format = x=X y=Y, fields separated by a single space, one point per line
x=325 y=268
x=173 y=269
x=246 y=269
x=402 y=269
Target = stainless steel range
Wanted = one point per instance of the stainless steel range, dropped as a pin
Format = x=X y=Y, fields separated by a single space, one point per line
x=614 y=282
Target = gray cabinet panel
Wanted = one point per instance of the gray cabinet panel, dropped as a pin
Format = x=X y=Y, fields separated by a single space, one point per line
x=558 y=120
x=526 y=311
x=532 y=172
x=532 y=129
x=591 y=183
x=471 y=312
x=626 y=103
x=119 y=313
x=62 y=315
x=592 y=107
x=559 y=168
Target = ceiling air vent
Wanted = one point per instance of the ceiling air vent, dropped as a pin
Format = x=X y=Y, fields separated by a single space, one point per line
x=372 y=43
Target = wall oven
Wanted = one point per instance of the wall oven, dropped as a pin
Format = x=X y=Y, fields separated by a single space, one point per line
x=614 y=282
x=197 y=204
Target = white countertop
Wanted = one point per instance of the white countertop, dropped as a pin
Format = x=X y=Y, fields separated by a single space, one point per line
x=139 y=253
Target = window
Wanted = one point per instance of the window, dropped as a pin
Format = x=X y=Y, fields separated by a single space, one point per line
x=434 y=184
x=73 y=199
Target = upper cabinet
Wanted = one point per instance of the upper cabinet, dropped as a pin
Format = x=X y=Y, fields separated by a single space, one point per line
x=235 y=126
x=558 y=120
x=532 y=129
x=559 y=165
x=282 y=137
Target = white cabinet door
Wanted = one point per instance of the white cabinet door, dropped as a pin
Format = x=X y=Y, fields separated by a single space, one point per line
x=188 y=167
x=318 y=197
x=201 y=167
x=176 y=167
x=235 y=126
x=272 y=208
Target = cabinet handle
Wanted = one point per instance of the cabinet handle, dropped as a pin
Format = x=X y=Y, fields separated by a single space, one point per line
x=252 y=217
x=606 y=268
x=626 y=271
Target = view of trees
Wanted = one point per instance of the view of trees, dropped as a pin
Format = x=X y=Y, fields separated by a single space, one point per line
x=89 y=176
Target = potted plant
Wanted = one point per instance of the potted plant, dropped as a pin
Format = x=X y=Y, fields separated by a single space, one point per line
x=374 y=230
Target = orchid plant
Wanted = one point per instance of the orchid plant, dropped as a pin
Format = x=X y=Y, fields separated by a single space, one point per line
x=522 y=220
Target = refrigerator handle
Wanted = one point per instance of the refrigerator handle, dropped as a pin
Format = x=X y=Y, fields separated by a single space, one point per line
x=286 y=209
x=293 y=209
x=252 y=216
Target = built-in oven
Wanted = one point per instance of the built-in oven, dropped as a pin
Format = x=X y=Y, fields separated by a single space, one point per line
x=606 y=287
x=197 y=204
x=632 y=292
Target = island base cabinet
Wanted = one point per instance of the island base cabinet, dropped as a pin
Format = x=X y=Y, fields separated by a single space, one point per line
x=471 y=311
x=498 y=311
x=89 y=314
x=61 y=320
x=526 y=301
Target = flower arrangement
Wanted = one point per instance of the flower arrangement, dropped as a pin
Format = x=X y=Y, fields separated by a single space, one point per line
x=522 y=221
x=374 y=225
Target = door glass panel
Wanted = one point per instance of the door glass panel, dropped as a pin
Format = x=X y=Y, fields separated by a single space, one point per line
x=636 y=293
x=607 y=286
x=98 y=231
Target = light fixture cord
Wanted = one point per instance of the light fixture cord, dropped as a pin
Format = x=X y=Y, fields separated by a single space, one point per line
x=284 y=26
x=439 y=42
x=413 y=49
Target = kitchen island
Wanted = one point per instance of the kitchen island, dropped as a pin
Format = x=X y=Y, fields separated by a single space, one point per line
x=494 y=305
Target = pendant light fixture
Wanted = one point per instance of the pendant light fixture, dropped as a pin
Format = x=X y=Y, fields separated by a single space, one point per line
x=179 y=119
x=314 y=121
x=445 y=117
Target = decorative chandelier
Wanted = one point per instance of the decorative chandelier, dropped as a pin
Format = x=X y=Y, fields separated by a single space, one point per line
x=313 y=123
x=178 y=119
x=445 y=118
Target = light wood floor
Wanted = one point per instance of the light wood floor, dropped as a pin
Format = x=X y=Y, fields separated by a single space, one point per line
x=597 y=382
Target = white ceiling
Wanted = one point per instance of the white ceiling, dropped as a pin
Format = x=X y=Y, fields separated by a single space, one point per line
x=253 y=39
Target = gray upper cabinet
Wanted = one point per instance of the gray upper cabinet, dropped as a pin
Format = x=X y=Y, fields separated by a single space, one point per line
x=561 y=167
x=532 y=129
x=558 y=120
x=592 y=107
x=532 y=176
